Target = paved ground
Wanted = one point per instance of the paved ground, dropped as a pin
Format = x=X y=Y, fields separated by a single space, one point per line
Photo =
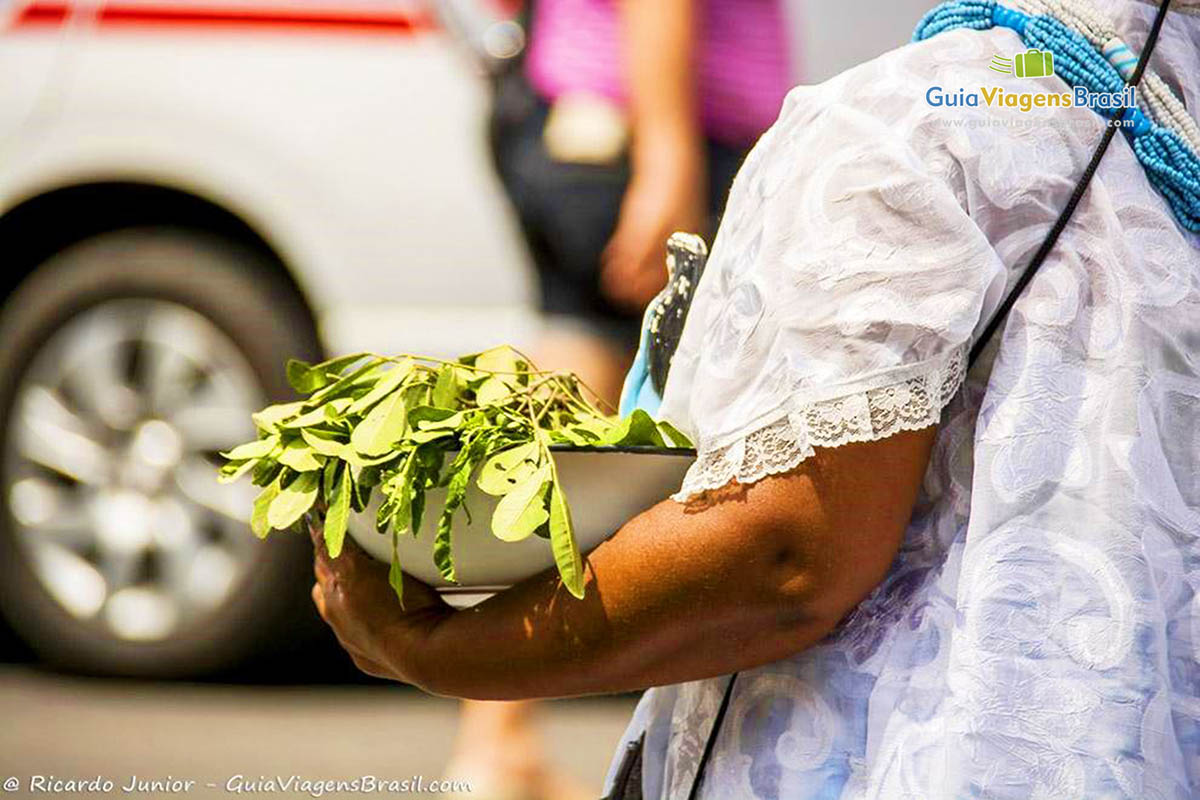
x=81 y=728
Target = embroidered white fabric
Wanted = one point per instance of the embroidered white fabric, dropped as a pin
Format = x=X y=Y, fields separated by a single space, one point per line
x=778 y=446
x=1038 y=634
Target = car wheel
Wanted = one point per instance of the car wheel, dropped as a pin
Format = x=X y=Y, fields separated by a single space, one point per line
x=129 y=361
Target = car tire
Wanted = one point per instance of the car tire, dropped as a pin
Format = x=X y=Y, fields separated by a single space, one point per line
x=238 y=291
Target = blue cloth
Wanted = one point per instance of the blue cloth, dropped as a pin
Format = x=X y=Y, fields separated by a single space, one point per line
x=638 y=390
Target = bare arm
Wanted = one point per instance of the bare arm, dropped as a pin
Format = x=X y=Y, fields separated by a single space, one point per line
x=678 y=593
x=660 y=40
x=667 y=189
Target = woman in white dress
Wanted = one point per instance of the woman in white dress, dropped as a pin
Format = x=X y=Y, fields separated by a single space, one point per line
x=936 y=584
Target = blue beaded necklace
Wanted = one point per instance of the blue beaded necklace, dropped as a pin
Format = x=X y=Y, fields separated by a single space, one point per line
x=1171 y=164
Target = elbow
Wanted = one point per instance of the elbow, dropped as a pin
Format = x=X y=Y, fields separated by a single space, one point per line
x=813 y=593
x=804 y=599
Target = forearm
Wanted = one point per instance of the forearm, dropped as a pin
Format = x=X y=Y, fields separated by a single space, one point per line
x=679 y=593
x=682 y=593
x=660 y=38
x=666 y=601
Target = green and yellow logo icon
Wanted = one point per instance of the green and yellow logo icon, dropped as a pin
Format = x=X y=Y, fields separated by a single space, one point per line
x=1033 y=63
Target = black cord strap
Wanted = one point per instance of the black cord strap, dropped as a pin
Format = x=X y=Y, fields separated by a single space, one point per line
x=1085 y=180
x=712 y=737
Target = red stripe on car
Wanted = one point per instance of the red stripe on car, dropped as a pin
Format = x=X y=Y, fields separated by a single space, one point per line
x=347 y=20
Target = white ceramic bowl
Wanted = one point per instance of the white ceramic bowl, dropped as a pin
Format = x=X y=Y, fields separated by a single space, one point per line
x=604 y=488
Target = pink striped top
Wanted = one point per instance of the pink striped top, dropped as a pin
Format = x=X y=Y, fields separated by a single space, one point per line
x=744 y=64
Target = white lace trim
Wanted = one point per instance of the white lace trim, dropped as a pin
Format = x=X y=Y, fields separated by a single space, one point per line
x=870 y=414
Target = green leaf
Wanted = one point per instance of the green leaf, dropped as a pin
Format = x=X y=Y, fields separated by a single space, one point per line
x=460 y=471
x=382 y=427
x=255 y=449
x=417 y=505
x=456 y=491
x=523 y=510
x=360 y=489
x=636 y=429
x=383 y=517
x=363 y=375
x=575 y=436
x=597 y=427
x=443 y=554
x=457 y=421
x=338 y=515
x=235 y=469
x=498 y=359
x=493 y=391
x=270 y=417
x=388 y=382
x=293 y=500
x=306 y=378
x=503 y=471
x=395 y=575
x=299 y=456
x=302 y=377
x=336 y=408
x=417 y=393
x=674 y=434
x=258 y=519
x=329 y=478
x=402 y=497
x=326 y=446
x=425 y=417
x=422 y=437
x=265 y=471
x=317 y=416
x=445 y=391
x=562 y=541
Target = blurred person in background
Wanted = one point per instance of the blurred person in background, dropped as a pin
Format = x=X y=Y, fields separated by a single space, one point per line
x=624 y=121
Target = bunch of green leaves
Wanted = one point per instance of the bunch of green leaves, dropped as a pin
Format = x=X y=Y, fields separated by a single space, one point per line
x=409 y=424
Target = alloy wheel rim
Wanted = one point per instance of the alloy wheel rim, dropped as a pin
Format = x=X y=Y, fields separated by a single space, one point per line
x=110 y=467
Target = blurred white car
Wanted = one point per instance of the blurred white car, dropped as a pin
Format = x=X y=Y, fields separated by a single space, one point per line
x=192 y=191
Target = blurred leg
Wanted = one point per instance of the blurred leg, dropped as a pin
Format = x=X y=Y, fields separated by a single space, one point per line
x=567 y=214
x=499 y=752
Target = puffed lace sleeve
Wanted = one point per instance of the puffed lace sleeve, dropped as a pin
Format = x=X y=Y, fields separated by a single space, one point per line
x=841 y=295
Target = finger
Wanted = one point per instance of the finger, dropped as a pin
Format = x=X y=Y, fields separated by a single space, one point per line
x=325 y=566
x=649 y=279
x=615 y=260
x=316 y=531
x=323 y=572
x=318 y=597
x=644 y=291
x=629 y=294
x=614 y=281
x=360 y=658
x=372 y=668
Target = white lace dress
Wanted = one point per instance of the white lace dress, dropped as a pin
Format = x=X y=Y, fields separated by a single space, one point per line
x=1039 y=634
